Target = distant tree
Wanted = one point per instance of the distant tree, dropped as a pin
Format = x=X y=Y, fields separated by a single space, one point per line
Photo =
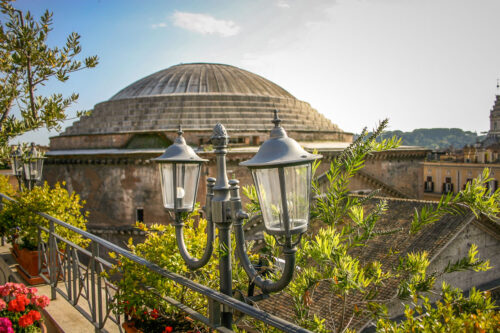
x=435 y=138
x=26 y=64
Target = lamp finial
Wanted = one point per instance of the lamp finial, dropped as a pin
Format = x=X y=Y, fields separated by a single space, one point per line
x=277 y=131
x=180 y=139
x=276 y=121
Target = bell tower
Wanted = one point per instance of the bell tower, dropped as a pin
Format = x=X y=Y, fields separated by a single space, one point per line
x=494 y=131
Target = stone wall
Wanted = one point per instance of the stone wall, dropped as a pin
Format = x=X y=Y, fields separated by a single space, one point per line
x=115 y=186
x=405 y=174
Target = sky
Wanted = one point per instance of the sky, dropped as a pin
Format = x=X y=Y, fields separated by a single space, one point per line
x=420 y=63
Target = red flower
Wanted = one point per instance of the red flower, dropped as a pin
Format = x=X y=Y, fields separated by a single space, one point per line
x=35 y=315
x=154 y=314
x=25 y=320
x=168 y=329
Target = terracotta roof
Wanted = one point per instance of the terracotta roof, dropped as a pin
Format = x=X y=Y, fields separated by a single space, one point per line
x=432 y=239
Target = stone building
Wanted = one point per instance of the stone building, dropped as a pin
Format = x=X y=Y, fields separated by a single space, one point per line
x=494 y=132
x=453 y=171
x=105 y=157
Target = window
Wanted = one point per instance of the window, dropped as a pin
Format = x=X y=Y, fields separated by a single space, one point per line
x=447 y=186
x=429 y=185
x=469 y=180
x=139 y=215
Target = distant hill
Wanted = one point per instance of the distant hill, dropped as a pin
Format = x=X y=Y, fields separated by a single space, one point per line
x=436 y=138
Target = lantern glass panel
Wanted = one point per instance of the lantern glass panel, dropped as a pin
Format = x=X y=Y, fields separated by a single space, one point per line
x=17 y=166
x=33 y=169
x=186 y=185
x=297 y=183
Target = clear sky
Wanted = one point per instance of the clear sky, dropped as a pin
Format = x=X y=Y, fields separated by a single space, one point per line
x=420 y=63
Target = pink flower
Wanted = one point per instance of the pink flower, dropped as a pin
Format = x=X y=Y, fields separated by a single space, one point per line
x=6 y=326
x=40 y=301
x=3 y=305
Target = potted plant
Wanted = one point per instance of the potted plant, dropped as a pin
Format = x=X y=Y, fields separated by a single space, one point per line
x=145 y=310
x=21 y=220
x=20 y=309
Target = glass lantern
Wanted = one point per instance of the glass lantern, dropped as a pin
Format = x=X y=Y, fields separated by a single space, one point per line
x=284 y=197
x=282 y=174
x=33 y=165
x=179 y=184
x=17 y=162
x=179 y=175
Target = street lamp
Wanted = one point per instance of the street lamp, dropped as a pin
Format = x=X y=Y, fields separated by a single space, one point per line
x=281 y=171
x=33 y=165
x=27 y=169
x=16 y=158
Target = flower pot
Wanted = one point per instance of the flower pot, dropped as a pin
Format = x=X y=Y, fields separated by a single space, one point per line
x=27 y=264
x=129 y=327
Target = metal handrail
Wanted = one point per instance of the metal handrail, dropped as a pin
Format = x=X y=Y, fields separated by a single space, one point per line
x=211 y=294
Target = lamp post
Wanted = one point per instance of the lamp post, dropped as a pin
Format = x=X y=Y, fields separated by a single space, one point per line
x=27 y=169
x=281 y=171
x=16 y=158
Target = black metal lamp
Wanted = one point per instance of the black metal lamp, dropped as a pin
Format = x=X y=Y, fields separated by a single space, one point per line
x=16 y=157
x=33 y=166
x=282 y=173
x=179 y=174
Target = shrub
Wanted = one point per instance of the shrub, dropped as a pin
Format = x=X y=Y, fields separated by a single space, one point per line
x=57 y=202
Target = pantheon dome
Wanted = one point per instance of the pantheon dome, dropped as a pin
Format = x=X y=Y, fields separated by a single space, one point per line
x=197 y=96
x=106 y=157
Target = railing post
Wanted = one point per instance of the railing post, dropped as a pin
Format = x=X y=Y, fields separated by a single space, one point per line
x=76 y=274
x=214 y=312
x=69 y=276
x=95 y=288
x=52 y=260
x=40 y=250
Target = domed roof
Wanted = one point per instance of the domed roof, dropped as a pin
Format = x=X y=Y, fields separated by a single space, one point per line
x=198 y=96
x=202 y=78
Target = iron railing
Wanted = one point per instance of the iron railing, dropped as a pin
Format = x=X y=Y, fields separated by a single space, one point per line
x=75 y=274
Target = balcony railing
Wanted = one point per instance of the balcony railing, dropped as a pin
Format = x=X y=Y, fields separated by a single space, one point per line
x=75 y=274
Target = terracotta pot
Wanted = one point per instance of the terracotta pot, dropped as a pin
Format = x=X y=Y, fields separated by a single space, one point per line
x=28 y=264
x=129 y=327
x=42 y=327
x=27 y=259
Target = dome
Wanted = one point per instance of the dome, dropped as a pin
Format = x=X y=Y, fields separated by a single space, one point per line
x=202 y=78
x=197 y=96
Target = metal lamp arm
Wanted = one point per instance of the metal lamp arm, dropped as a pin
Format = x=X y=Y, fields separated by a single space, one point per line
x=191 y=262
x=266 y=285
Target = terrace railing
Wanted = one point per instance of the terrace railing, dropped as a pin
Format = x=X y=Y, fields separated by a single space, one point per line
x=75 y=274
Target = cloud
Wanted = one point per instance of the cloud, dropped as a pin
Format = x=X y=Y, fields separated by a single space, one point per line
x=205 y=24
x=158 y=25
x=282 y=4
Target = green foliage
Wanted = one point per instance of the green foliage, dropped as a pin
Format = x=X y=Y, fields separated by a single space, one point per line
x=5 y=186
x=333 y=203
x=56 y=202
x=454 y=313
x=26 y=64
x=253 y=207
x=137 y=283
x=330 y=257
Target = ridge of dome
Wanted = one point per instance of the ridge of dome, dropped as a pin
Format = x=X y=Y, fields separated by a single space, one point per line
x=201 y=78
